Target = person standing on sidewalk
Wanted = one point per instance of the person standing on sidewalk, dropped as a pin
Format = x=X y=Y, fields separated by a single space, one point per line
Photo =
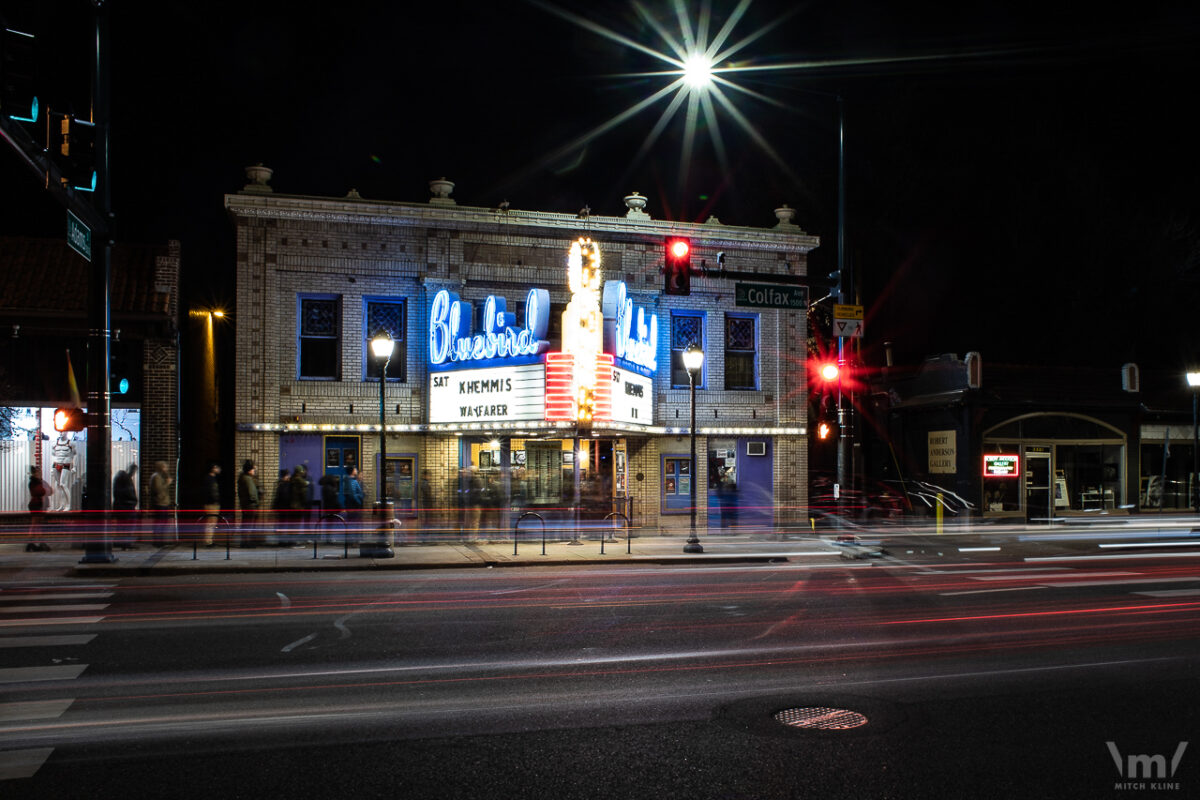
x=354 y=495
x=39 y=490
x=281 y=503
x=248 y=499
x=212 y=502
x=161 y=502
x=125 y=503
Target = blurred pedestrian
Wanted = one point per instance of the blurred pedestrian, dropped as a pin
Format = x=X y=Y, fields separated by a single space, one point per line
x=39 y=490
x=301 y=501
x=331 y=504
x=161 y=503
x=430 y=519
x=353 y=497
x=125 y=503
x=281 y=503
x=212 y=502
x=248 y=499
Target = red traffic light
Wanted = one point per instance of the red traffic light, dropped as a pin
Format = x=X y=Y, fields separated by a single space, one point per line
x=677 y=266
x=69 y=419
x=829 y=371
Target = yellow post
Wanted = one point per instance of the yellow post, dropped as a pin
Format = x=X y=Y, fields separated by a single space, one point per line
x=939 y=512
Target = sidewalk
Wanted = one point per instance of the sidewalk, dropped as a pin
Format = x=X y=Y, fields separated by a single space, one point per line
x=648 y=548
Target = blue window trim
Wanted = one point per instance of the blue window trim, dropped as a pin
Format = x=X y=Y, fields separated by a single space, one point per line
x=757 y=347
x=672 y=504
x=300 y=298
x=366 y=340
x=703 y=317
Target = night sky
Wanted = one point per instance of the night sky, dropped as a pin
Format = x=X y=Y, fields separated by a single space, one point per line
x=1032 y=195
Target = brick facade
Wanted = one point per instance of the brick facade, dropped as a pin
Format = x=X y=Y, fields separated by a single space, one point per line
x=350 y=249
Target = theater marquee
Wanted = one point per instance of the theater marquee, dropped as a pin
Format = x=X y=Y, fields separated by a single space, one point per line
x=514 y=393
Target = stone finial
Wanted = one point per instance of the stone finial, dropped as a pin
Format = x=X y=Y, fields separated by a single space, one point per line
x=785 y=214
x=712 y=220
x=258 y=175
x=353 y=195
x=441 y=189
x=636 y=203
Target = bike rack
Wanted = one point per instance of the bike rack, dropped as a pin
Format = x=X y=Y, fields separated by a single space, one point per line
x=516 y=529
x=223 y=522
x=628 y=532
x=321 y=532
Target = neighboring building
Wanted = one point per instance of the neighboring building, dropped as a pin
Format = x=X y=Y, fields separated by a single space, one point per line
x=1027 y=442
x=43 y=321
x=483 y=394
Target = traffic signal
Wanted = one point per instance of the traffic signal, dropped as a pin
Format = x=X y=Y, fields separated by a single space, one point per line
x=17 y=98
x=824 y=430
x=677 y=266
x=77 y=153
x=829 y=371
x=69 y=419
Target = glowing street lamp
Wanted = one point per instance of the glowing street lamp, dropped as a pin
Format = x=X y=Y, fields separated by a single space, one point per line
x=382 y=347
x=693 y=360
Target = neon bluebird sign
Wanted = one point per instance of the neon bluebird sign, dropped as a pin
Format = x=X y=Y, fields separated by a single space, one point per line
x=634 y=335
x=451 y=338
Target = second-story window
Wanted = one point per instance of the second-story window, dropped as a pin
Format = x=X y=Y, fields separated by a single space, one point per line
x=741 y=352
x=686 y=329
x=319 y=328
x=387 y=315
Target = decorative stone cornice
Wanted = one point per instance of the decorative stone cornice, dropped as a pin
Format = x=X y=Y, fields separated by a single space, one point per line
x=788 y=239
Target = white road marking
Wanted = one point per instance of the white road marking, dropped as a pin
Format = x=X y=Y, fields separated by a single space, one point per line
x=289 y=648
x=992 y=591
x=34 y=709
x=61 y=672
x=1049 y=577
x=24 y=623
x=45 y=641
x=1127 y=545
x=62 y=596
x=1122 y=556
x=283 y=600
x=35 y=609
x=1182 y=579
x=1170 y=593
x=22 y=763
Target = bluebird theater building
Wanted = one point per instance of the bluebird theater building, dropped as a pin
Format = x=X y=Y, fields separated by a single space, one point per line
x=536 y=360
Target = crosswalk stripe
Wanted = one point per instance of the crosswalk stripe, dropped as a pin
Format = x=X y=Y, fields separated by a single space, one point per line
x=59 y=596
x=59 y=672
x=24 y=623
x=71 y=607
x=1170 y=593
x=22 y=763
x=46 y=641
x=34 y=709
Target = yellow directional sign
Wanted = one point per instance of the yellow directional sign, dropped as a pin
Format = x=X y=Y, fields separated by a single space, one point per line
x=847 y=312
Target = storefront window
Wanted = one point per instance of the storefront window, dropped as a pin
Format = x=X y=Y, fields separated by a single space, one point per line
x=1166 y=483
x=1090 y=477
x=677 y=483
x=1002 y=491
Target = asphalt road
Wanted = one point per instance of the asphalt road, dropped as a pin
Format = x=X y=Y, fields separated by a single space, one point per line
x=977 y=675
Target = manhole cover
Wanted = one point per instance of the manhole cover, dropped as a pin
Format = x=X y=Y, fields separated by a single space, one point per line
x=821 y=718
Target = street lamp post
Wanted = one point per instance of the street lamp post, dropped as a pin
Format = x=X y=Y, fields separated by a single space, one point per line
x=1193 y=379
x=693 y=359
x=380 y=546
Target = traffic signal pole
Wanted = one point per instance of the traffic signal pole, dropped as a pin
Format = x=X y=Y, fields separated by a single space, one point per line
x=845 y=411
x=99 y=420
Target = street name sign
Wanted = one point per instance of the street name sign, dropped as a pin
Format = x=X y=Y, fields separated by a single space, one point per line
x=79 y=236
x=770 y=295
